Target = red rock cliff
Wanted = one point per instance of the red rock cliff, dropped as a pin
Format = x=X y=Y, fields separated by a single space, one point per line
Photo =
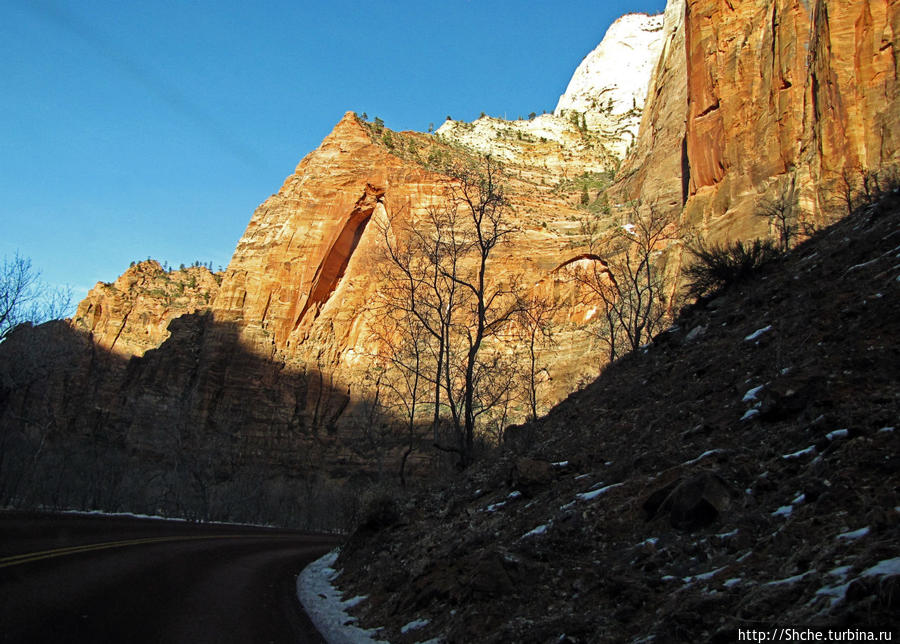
x=782 y=97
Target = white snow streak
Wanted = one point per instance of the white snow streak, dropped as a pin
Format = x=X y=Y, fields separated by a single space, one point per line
x=788 y=580
x=783 y=511
x=322 y=602
x=708 y=452
x=587 y=496
x=803 y=452
x=853 y=535
x=886 y=568
x=751 y=395
x=756 y=334
x=413 y=625
x=541 y=529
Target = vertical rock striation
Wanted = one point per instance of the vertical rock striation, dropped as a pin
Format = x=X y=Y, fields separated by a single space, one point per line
x=783 y=98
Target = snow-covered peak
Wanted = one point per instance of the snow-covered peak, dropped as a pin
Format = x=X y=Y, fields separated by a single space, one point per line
x=615 y=76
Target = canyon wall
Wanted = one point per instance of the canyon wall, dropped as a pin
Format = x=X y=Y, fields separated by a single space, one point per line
x=747 y=102
x=770 y=99
x=270 y=366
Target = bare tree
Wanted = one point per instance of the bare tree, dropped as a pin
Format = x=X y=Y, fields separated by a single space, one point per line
x=398 y=381
x=535 y=331
x=780 y=213
x=445 y=285
x=25 y=298
x=627 y=276
x=479 y=192
x=418 y=304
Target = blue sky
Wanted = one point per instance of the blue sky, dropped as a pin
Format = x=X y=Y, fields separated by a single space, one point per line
x=131 y=130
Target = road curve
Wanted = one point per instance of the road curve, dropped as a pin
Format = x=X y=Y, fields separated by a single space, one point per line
x=71 y=578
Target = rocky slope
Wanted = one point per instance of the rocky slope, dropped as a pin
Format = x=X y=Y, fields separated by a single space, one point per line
x=740 y=472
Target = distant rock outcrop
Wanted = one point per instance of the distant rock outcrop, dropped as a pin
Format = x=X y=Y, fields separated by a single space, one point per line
x=132 y=314
x=601 y=107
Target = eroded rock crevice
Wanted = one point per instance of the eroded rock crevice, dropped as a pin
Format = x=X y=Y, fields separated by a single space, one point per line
x=335 y=261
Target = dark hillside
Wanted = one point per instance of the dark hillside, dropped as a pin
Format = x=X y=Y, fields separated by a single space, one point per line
x=740 y=472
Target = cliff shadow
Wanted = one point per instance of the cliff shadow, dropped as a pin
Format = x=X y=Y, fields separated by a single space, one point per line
x=201 y=427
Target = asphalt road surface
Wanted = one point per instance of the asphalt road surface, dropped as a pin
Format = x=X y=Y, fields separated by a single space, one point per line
x=71 y=578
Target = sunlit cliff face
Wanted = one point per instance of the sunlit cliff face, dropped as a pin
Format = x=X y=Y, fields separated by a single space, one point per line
x=742 y=104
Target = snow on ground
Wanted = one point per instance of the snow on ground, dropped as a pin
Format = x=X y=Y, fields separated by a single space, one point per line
x=708 y=452
x=783 y=511
x=751 y=394
x=541 y=529
x=886 y=568
x=323 y=603
x=853 y=535
x=756 y=334
x=159 y=517
x=802 y=452
x=703 y=576
x=413 y=625
x=128 y=515
x=588 y=496
x=837 y=592
x=788 y=580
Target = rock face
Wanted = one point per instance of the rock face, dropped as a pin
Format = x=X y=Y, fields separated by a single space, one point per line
x=132 y=314
x=303 y=278
x=300 y=270
x=596 y=119
x=611 y=82
x=786 y=99
x=656 y=167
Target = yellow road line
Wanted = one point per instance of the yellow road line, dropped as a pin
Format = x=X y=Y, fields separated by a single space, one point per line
x=15 y=560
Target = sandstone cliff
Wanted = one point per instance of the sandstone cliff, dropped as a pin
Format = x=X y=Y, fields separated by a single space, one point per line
x=132 y=314
x=746 y=102
x=596 y=119
x=609 y=87
x=766 y=100
x=303 y=278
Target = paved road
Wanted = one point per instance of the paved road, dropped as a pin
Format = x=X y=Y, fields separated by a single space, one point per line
x=72 y=578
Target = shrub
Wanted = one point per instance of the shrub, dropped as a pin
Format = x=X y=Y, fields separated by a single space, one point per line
x=719 y=266
x=380 y=510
